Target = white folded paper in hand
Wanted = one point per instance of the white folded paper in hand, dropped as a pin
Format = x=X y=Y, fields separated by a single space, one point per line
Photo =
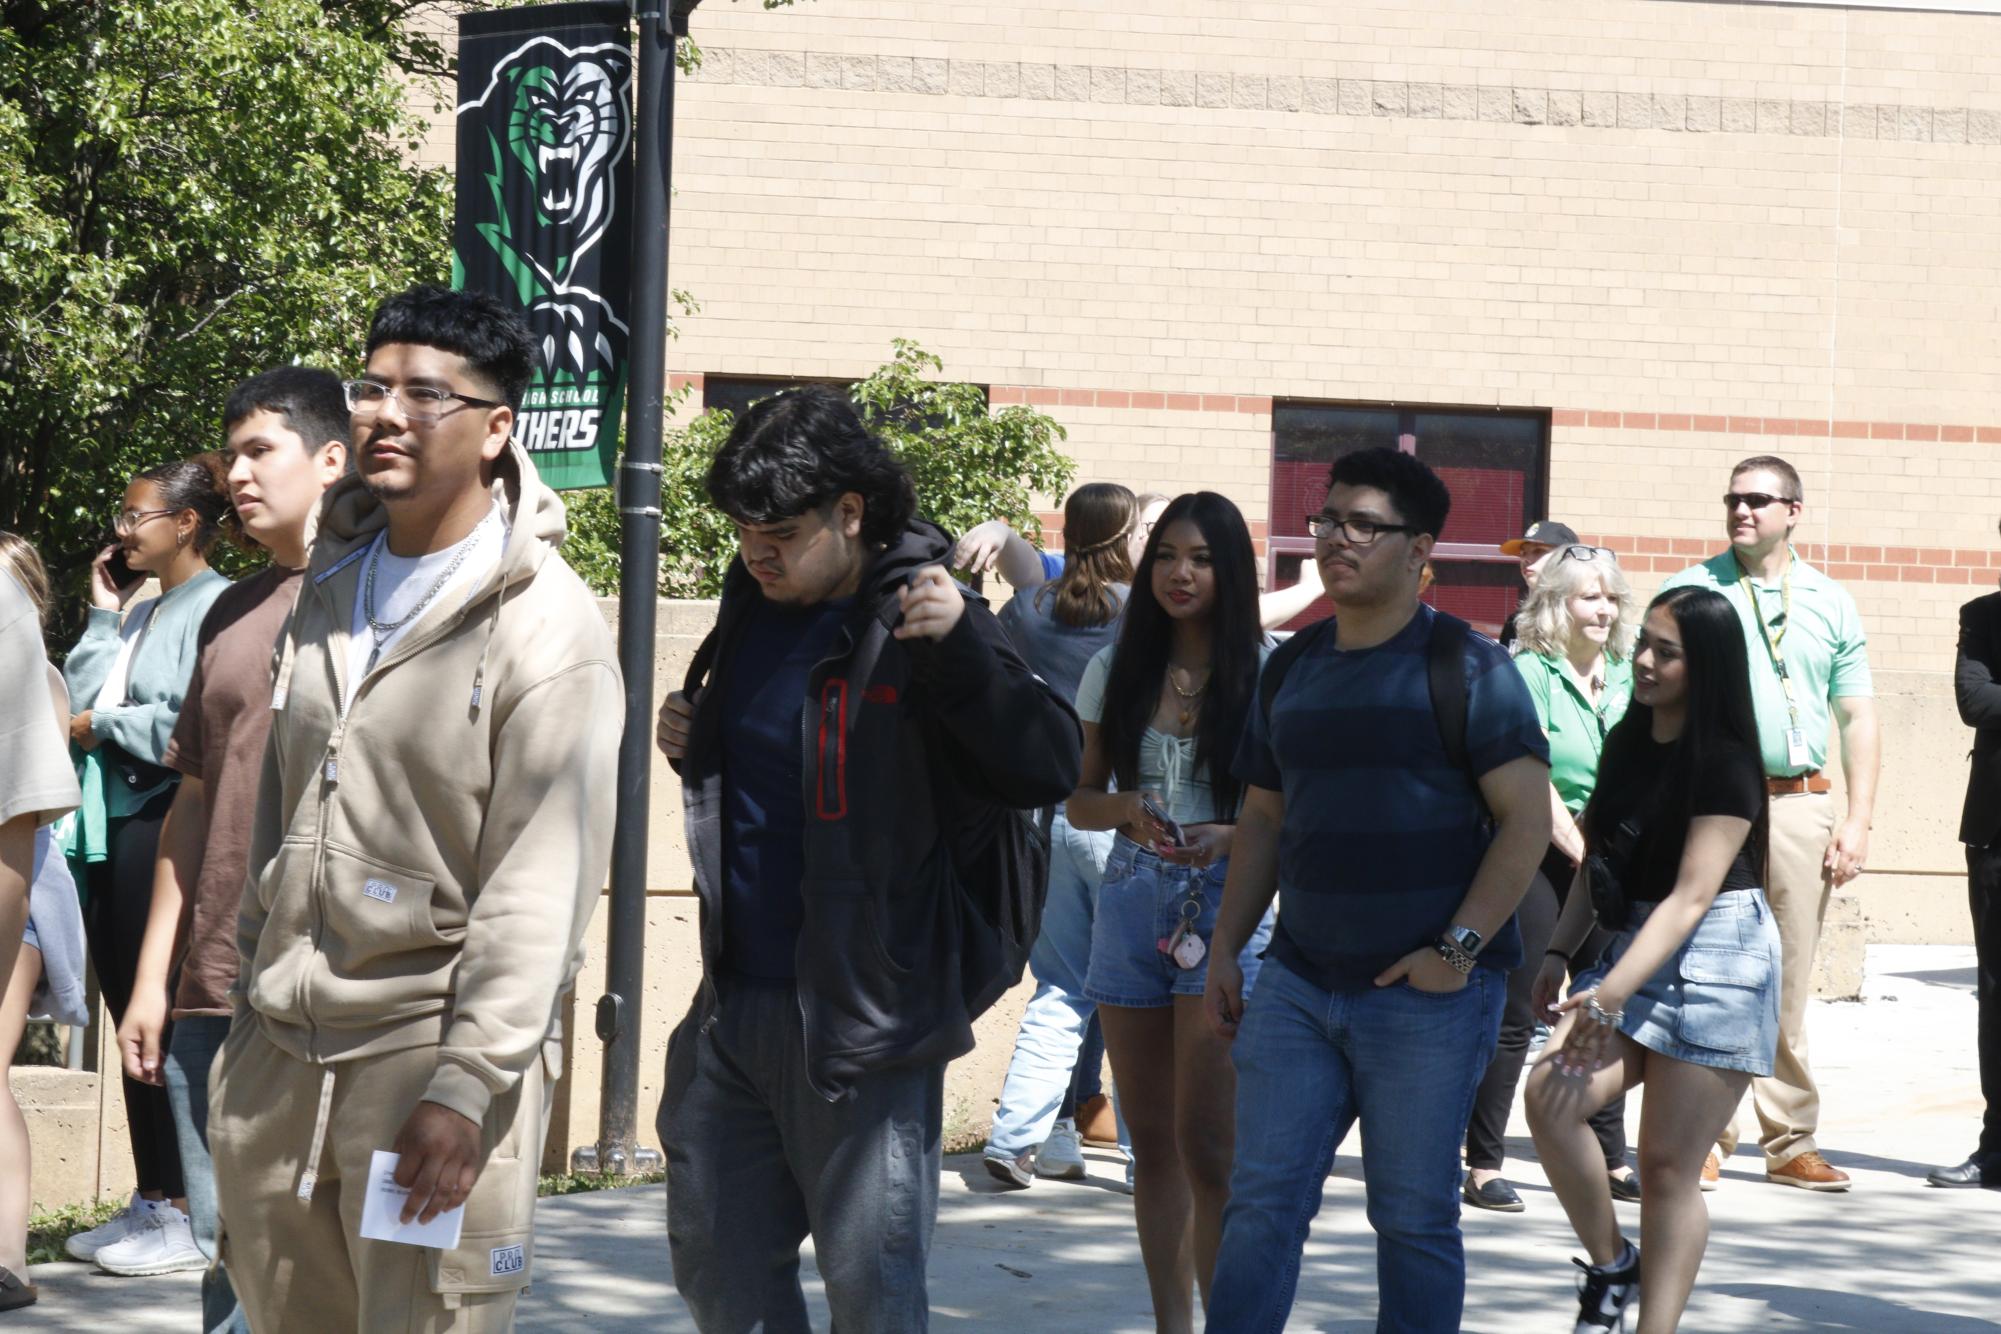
x=382 y=1210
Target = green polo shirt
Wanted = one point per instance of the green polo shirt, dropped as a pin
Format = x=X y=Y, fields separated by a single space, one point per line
x=1575 y=726
x=1826 y=652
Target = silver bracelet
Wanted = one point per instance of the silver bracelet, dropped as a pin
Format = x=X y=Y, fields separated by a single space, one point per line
x=1601 y=1016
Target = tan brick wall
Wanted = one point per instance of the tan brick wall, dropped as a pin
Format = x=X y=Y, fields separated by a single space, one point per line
x=1691 y=231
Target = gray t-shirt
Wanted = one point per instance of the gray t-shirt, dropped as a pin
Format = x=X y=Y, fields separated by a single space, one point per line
x=1054 y=651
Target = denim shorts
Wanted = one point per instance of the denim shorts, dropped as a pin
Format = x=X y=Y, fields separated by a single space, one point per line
x=1716 y=1002
x=1140 y=904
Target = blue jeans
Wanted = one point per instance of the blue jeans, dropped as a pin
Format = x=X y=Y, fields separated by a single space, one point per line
x=1310 y=1063
x=1047 y=1047
x=190 y=1052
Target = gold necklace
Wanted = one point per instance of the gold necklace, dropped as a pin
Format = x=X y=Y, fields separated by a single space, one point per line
x=1188 y=697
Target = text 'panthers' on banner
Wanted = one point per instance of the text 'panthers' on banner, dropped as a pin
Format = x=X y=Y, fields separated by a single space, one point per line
x=544 y=214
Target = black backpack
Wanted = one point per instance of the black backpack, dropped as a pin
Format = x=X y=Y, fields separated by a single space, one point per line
x=1445 y=670
x=1000 y=861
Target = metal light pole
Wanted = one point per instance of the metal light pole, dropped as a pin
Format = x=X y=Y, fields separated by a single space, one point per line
x=660 y=23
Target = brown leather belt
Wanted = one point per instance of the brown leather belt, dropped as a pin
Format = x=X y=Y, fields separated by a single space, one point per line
x=1797 y=784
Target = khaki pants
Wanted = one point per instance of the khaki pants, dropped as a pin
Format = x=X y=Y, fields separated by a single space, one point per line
x=302 y=1267
x=1797 y=886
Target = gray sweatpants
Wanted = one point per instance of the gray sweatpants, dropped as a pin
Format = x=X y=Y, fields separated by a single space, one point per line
x=756 y=1160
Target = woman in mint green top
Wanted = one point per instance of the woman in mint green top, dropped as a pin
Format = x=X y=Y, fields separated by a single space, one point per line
x=1576 y=629
x=126 y=683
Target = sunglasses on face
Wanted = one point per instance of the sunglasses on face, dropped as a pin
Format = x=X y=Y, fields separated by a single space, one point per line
x=1757 y=500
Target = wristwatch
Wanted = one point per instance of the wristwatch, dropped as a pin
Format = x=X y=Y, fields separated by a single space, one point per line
x=1458 y=946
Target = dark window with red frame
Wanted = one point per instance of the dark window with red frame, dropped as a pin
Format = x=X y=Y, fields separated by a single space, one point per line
x=1495 y=462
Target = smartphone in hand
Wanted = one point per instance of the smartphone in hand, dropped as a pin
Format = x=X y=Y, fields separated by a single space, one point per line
x=1158 y=813
x=120 y=574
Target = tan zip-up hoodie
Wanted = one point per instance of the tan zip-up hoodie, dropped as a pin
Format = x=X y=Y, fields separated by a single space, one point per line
x=425 y=861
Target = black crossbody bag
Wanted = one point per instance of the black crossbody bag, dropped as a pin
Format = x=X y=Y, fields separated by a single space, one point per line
x=1605 y=875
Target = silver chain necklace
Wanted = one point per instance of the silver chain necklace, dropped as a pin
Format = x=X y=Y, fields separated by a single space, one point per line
x=382 y=631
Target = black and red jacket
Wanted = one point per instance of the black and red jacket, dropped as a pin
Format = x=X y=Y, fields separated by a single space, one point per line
x=872 y=991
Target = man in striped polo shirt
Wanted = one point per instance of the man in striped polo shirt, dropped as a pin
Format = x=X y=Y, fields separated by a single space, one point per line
x=1400 y=823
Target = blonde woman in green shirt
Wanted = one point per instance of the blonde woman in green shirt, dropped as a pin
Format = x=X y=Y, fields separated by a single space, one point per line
x=1574 y=646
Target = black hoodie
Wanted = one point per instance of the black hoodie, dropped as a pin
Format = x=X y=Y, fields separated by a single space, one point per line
x=879 y=886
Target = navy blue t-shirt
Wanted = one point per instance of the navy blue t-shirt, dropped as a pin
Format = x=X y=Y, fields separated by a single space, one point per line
x=1383 y=834
x=764 y=807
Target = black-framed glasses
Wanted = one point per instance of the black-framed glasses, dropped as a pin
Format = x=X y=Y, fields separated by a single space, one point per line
x=1757 y=500
x=129 y=521
x=1578 y=551
x=1355 y=532
x=420 y=402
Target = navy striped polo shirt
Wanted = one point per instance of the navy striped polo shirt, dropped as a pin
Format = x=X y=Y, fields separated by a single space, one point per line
x=1382 y=834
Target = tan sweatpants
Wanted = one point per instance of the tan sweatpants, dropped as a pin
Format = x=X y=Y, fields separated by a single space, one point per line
x=302 y=1267
x=1798 y=887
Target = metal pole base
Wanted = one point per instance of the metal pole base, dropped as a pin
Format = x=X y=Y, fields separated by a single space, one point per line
x=598 y=1160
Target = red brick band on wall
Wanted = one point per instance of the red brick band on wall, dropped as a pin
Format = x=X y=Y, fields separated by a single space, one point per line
x=1640 y=555
x=1847 y=561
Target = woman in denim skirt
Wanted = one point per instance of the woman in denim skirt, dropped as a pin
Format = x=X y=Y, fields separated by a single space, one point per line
x=1686 y=998
x=1163 y=710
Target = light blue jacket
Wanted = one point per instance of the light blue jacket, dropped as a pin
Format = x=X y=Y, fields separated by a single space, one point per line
x=158 y=684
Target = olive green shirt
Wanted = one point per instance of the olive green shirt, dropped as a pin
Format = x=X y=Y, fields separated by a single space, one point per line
x=1575 y=726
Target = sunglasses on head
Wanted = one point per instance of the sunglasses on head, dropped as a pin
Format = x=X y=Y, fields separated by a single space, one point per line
x=1589 y=553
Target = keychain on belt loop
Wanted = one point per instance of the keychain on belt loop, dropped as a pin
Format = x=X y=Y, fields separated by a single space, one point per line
x=1185 y=947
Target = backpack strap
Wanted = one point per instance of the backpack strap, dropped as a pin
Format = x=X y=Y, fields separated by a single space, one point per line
x=1445 y=667
x=1280 y=662
x=705 y=658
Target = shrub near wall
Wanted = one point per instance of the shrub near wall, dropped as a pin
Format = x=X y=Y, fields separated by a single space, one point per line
x=970 y=464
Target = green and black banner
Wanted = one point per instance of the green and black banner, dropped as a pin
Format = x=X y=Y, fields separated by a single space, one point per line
x=544 y=214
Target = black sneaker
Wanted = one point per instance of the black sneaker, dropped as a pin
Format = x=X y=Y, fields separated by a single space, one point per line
x=1604 y=1294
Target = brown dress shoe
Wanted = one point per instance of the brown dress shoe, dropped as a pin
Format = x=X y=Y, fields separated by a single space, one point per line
x=1809 y=1171
x=1096 y=1125
x=1712 y=1173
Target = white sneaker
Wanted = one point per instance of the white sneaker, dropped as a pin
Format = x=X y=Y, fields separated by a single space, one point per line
x=1062 y=1154
x=163 y=1243
x=85 y=1245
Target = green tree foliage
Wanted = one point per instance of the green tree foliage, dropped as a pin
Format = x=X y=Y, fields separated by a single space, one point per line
x=190 y=191
x=970 y=464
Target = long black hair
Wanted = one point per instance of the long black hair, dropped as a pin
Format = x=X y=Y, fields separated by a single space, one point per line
x=1139 y=663
x=1719 y=717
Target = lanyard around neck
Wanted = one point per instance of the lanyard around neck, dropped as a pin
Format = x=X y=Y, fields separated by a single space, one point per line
x=1774 y=641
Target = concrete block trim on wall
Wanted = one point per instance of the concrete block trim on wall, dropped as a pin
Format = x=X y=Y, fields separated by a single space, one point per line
x=1557 y=108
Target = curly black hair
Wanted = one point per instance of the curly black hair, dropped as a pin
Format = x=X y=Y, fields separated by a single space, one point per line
x=802 y=450
x=1418 y=493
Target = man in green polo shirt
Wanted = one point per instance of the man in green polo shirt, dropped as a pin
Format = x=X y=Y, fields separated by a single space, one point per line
x=1809 y=669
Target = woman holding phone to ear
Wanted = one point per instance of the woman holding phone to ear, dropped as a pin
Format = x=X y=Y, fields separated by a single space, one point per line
x=127 y=677
x=1163 y=710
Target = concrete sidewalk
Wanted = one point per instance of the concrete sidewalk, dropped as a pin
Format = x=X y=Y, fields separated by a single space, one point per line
x=1892 y=1256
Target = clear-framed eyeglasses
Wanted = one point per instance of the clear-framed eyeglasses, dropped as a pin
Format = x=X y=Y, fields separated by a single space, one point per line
x=129 y=521
x=420 y=402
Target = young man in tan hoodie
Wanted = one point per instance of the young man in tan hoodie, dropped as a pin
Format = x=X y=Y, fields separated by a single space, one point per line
x=431 y=837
